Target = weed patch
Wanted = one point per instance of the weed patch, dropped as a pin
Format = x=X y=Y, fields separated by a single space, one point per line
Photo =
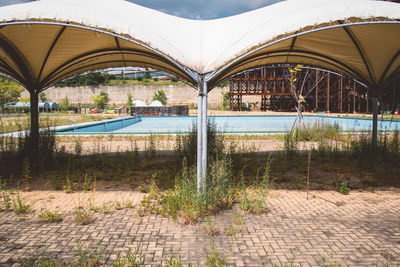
x=214 y=257
x=49 y=216
x=19 y=207
x=343 y=189
x=84 y=213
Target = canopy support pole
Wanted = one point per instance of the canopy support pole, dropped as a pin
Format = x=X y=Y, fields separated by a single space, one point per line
x=199 y=137
x=375 y=120
x=33 y=148
x=204 y=136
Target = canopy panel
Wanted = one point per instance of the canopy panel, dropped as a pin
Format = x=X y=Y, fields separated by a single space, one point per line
x=40 y=54
x=367 y=51
x=49 y=40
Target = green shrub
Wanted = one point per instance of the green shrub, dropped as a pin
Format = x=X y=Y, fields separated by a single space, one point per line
x=343 y=187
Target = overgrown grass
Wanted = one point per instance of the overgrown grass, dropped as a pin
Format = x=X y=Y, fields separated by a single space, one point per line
x=318 y=131
x=233 y=170
x=253 y=198
x=222 y=192
x=17 y=157
x=354 y=154
x=184 y=201
x=186 y=144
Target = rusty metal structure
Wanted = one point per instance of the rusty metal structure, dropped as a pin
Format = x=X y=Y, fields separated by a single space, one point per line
x=390 y=96
x=323 y=90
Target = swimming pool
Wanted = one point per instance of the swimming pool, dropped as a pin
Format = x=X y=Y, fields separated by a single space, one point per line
x=227 y=124
x=107 y=126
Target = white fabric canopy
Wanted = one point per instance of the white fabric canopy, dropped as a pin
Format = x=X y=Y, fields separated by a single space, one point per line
x=139 y=103
x=156 y=103
x=49 y=40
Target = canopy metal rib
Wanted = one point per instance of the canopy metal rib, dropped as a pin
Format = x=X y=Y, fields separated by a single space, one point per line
x=360 y=50
x=119 y=48
x=50 y=50
x=389 y=66
x=19 y=60
x=291 y=46
x=11 y=70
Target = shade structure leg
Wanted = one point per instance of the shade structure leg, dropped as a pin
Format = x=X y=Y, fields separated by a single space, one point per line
x=375 y=120
x=199 y=137
x=33 y=142
x=204 y=137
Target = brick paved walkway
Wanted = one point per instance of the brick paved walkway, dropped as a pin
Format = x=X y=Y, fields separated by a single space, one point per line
x=362 y=229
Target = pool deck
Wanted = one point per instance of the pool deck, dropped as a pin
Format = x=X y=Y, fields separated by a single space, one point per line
x=361 y=229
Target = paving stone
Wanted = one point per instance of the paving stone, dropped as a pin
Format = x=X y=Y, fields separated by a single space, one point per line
x=364 y=231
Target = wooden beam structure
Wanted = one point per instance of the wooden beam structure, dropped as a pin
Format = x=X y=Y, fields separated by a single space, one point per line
x=328 y=91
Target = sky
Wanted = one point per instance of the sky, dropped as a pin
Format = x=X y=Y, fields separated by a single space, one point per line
x=193 y=9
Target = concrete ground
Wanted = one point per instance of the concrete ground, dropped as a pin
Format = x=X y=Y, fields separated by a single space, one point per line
x=328 y=229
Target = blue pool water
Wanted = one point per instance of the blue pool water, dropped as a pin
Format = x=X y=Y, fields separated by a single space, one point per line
x=228 y=124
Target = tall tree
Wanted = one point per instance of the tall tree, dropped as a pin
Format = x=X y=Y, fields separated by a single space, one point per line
x=160 y=96
x=101 y=101
x=129 y=100
x=10 y=91
x=147 y=74
x=225 y=100
x=64 y=104
x=42 y=97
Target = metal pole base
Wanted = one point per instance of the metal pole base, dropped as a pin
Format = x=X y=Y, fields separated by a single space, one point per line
x=375 y=121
